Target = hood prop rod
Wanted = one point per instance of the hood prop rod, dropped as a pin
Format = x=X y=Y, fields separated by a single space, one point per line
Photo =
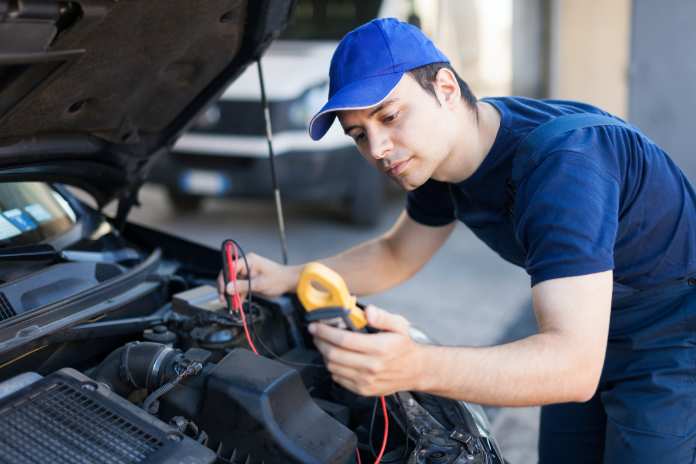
x=274 y=178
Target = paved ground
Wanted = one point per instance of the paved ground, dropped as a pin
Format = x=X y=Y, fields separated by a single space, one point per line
x=465 y=295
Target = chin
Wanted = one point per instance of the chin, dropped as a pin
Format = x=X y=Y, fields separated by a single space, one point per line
x=407 y=187
x=411 y=181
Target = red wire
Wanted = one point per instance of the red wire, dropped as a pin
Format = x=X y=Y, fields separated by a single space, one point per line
x=386 y=430
x=238 y=303
x=357 y=455
x=232 y=272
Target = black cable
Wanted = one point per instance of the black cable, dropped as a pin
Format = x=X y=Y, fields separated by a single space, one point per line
x=407 y=424
x=403 y=454
x=372 y=426
x=252 y=322
x=389 y=457
x=192 y=369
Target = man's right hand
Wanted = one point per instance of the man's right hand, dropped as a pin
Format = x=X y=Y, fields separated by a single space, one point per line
x=268 y=277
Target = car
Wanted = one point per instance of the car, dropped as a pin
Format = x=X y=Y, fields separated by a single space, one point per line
x=225 y=153
x=114 y=346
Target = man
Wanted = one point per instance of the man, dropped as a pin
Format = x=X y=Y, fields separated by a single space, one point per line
x=599 y=216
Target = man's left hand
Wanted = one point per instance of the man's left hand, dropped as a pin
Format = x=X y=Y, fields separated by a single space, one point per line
x=371 y=364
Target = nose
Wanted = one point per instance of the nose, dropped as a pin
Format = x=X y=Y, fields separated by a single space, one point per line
x=380 y=145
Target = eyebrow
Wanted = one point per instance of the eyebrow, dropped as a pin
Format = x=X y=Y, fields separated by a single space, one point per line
x=376 y=110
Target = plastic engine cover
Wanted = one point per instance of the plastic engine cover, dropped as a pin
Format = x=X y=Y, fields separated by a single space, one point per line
x=259 y=407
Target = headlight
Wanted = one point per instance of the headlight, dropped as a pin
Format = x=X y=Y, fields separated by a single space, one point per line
x=302 y=109
x=475 y=410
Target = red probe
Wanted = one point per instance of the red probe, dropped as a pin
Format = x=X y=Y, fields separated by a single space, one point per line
x=232 y=261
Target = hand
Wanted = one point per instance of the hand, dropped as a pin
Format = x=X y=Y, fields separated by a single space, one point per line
x=371 y=364
x=268 y=278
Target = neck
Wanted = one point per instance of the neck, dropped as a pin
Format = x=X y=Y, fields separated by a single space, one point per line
x=471 y=146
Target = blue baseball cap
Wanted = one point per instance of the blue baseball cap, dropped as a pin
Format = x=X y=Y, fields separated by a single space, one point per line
x=367 y=65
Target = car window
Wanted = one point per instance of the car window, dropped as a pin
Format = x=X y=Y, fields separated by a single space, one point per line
x=31 y=212
x=329 y=19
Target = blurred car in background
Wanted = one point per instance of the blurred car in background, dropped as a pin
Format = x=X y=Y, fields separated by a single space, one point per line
x=225 y=152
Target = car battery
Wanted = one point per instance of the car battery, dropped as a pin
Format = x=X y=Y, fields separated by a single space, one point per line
x=197 y=301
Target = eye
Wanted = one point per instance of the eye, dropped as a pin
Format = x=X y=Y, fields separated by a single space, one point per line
x=359 y=137
x=390 y=117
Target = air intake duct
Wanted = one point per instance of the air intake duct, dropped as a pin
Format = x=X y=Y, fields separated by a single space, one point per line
x=260 y=407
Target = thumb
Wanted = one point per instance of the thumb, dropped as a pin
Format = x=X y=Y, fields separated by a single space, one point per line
x=384 y=320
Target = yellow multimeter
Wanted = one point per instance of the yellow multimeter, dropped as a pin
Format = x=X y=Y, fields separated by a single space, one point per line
x=320 y=288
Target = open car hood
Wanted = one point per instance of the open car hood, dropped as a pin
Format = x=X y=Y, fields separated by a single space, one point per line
x=92 y=90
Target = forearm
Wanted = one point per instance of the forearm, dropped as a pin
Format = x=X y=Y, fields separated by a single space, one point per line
x=540 y=369
x=370 y=267
x=388 y=260
x=367 y=268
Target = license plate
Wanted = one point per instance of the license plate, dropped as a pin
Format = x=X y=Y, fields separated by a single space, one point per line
x=204 y=183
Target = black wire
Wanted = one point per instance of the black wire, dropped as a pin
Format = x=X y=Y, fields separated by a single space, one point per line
x=252 y=322
x=404 y=453
x=372 y=426
x=407 y=424
x=192 y=369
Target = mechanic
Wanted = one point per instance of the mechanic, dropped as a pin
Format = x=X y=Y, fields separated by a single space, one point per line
x=598 y=215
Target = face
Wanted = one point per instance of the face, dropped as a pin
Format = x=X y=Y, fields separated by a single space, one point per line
x=410 y=135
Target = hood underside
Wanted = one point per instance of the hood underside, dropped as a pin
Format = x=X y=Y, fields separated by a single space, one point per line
x=91 y=90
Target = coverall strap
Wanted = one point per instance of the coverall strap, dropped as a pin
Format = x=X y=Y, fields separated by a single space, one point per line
x=542 y=135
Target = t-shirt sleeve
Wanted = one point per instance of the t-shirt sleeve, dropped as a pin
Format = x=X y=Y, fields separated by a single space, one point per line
x=431 y=204
x=566 y=216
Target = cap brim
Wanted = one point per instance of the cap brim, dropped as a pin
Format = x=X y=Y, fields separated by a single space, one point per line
x=358 y=95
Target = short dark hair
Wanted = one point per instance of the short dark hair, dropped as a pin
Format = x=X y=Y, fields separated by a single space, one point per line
x=425 y=76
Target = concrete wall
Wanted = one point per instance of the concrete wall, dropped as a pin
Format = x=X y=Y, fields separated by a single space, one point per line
x=663 y=76
x=589 y=52
x=530 y=48
x=475 y=35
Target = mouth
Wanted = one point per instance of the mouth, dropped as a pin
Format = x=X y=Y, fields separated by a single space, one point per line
x=399 y=167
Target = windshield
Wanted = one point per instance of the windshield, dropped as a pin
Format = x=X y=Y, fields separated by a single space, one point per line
x=329 y=19
x=31 y=212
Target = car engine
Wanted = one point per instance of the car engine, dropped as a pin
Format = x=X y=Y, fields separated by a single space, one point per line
x=162 y=373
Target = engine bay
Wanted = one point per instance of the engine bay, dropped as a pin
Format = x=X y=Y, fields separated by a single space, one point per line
x=149 y=337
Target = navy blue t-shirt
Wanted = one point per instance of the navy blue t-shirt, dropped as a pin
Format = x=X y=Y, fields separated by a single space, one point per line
x=596 y=199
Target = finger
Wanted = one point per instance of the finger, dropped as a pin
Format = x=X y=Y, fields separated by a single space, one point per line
x=221 y=287
x=336 y=355
x=251 y=266
x=241 y=268
x=386 y=321
x=353 y=341
x=240 y=286
x=356 y=386
x=347 y=383
x=344 y=371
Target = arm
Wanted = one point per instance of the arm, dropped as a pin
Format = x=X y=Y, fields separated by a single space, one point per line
x=561 y=363
x=390 y=259
x=369 y=267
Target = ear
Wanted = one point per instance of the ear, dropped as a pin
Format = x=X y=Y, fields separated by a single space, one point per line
x=447 y=88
